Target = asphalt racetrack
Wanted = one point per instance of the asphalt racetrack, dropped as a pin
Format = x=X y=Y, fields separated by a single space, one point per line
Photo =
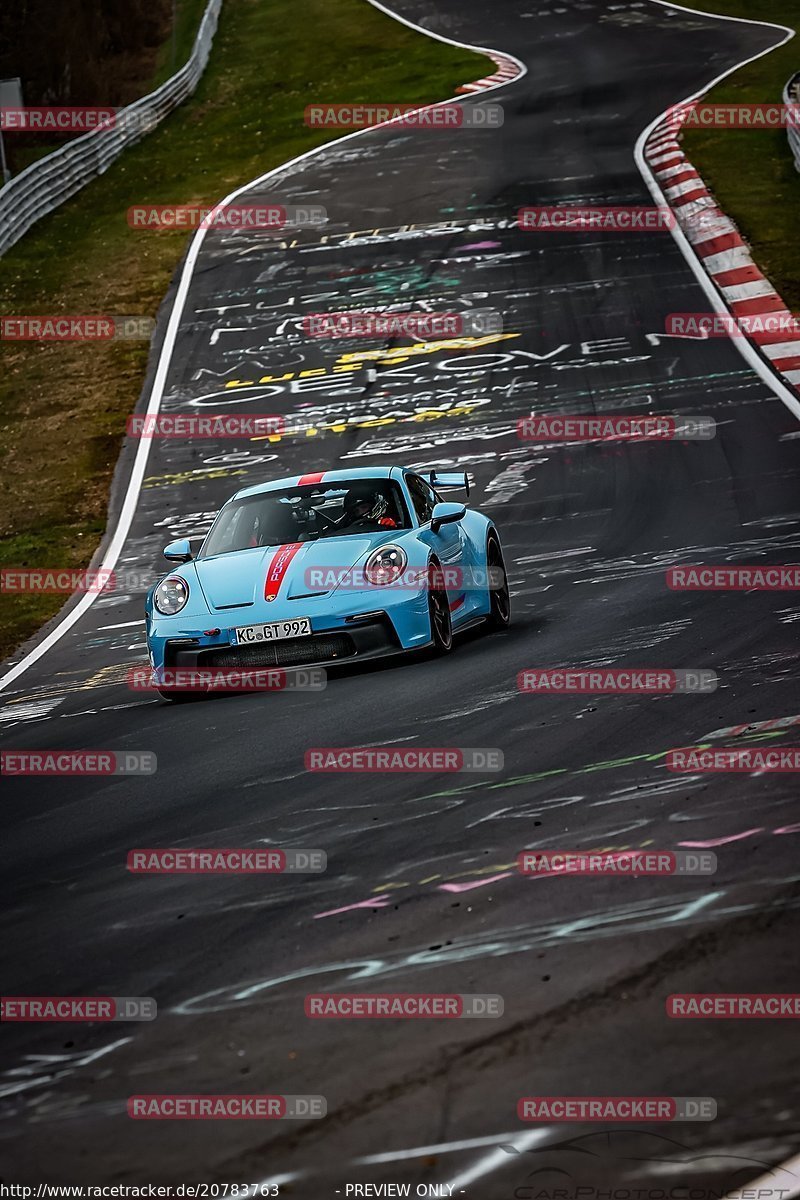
x=421 y=892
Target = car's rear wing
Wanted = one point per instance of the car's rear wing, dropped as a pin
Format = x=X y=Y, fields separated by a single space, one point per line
x=447 y=479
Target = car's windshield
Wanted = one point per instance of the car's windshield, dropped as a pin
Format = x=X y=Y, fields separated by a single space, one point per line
x=302 y=514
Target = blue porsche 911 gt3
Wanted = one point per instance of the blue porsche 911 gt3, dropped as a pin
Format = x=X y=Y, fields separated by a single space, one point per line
x=327 y=568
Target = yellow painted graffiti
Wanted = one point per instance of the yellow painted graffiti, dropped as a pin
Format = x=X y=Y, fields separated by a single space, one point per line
x=427 y=414
x=356 y=361
x=154 y=481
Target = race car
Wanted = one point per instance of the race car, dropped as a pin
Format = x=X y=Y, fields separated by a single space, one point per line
x=326 y=568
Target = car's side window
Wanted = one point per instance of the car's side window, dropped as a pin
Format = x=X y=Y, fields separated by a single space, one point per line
x=423 y=498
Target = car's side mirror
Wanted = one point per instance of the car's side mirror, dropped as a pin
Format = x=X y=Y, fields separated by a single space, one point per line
x=446 y=514
x=179 y=551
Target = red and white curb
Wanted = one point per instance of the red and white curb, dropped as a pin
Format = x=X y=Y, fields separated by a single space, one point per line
x=720 y=247
x=507 y=69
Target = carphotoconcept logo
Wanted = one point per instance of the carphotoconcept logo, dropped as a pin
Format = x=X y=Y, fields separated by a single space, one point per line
x=77 y=1008
x=572 y=218
x=616 y=1108
x=186 y=861
x=227 y=679
x=395 y=759
x=422 y=326
x=632 y=864
x=630 y=1163
x=403 y=115
x=77 y=762
x=616 y=680
x=703 y=578
x=225 y=1108
x=221 y=425
x=61 y=328
x=734 y=1005
x=628 y=427
x=233 y=218
x=408 y=1005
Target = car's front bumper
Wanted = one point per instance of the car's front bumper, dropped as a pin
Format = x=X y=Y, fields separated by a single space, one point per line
x=345 y=628
x=357 y=640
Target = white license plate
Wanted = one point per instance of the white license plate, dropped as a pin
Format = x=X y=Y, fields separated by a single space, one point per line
x=250 y=635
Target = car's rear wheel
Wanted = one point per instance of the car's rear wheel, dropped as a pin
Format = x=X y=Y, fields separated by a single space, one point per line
x=439 y=609
x=499 y=598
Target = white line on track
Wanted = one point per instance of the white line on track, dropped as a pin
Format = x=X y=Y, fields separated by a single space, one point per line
x=129 y=504
x=497 y=1158
x=439 y=1148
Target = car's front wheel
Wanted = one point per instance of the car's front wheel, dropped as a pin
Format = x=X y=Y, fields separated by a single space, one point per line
x=439 y=609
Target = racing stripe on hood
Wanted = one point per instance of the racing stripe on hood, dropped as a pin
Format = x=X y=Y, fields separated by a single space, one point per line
x=278 y=568
x=315 y=477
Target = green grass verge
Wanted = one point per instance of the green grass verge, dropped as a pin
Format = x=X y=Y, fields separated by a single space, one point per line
x=63 y=406
x=751 y=172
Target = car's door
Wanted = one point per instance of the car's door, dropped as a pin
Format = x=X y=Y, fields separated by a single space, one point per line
x=449 y=544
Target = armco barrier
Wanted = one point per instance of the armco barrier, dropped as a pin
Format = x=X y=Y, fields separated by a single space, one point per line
x=791 y=95
x=47 y=183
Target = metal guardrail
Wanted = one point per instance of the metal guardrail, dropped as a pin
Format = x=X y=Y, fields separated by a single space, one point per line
x=46 y=184
x=791 y=95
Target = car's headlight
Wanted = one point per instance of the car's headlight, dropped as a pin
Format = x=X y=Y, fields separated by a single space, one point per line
x=171 y=595
x=385 y=565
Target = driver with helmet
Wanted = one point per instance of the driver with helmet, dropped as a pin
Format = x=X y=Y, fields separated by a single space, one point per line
x=364 y=508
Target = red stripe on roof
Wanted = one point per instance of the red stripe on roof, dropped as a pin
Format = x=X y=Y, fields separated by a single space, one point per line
x=314 y=477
